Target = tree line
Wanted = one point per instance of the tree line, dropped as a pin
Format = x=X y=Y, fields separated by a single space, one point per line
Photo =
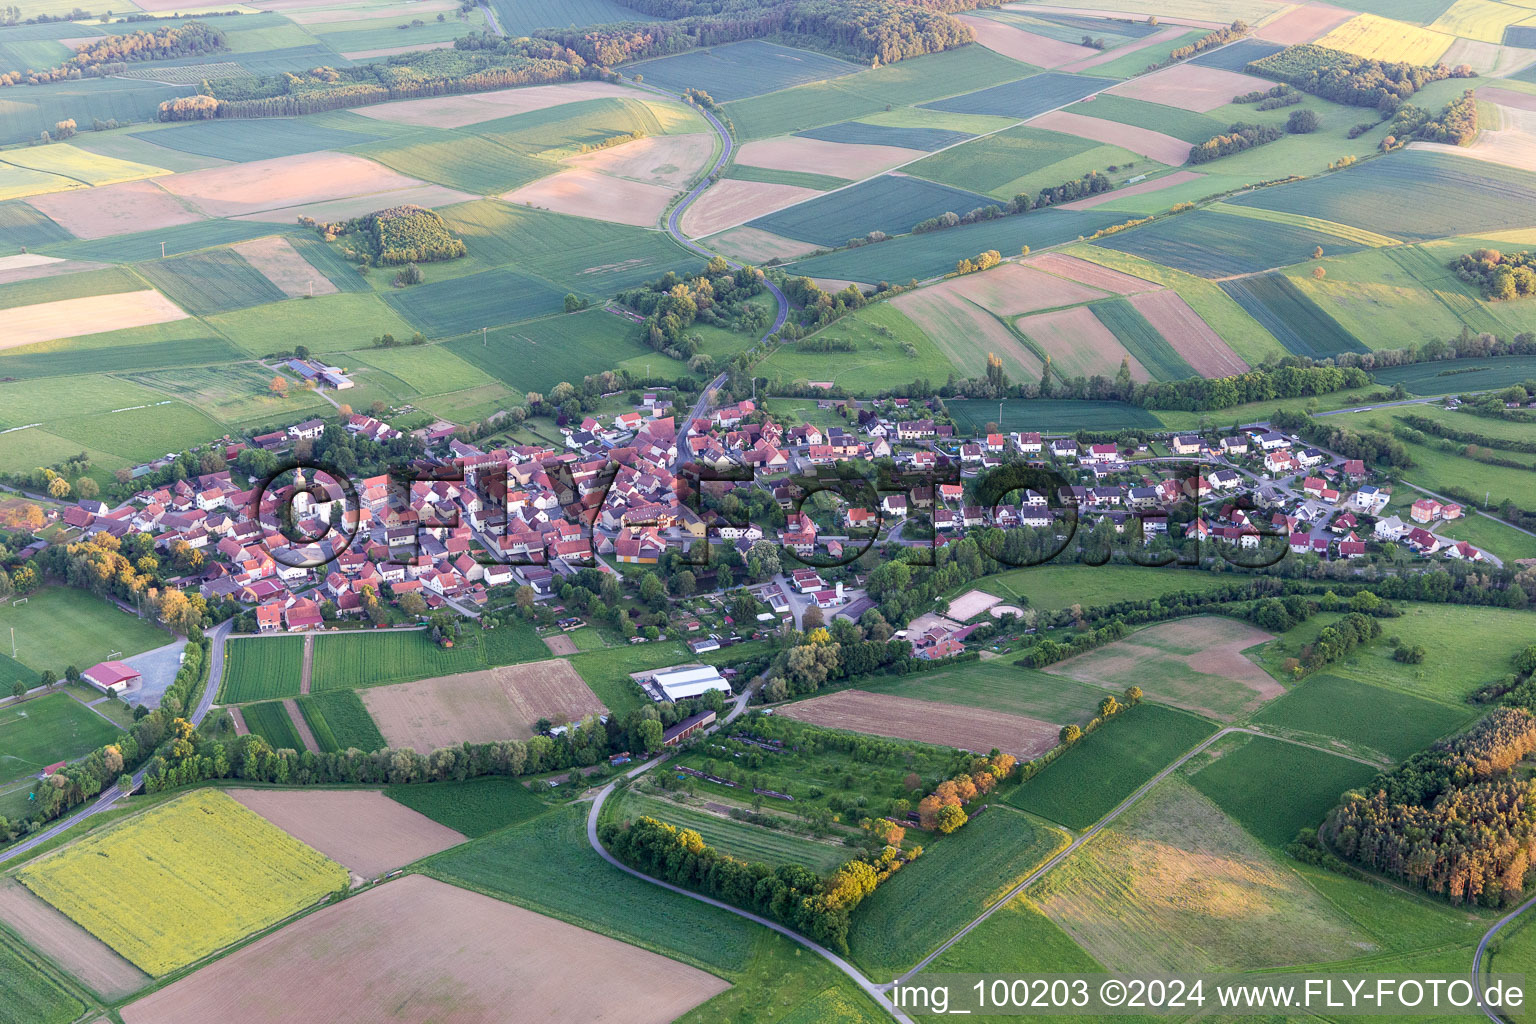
x=1238 y=137
x=98 y=56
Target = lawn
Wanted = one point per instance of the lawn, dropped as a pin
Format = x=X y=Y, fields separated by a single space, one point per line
x=59 y=626
x=43 y=730
x=272 y=723
x=1142 y=340
x=1049 y=587
x=203 y=862
x=1274 y=789
x=889 y=203
x=475 y=807
x=873 y=91
x=261 y=668
x=739 y=70
x=1344 y=709
x=29 y=995
x=751 y=843
x=1107 y=765
x=339 y=721
x=956 y=878
x=545 y=864
x=996 y=685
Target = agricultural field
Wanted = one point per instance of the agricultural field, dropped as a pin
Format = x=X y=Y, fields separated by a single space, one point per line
x=1018 y=939
x=271 y=721
x=60 y=626
x=890 y=203
x=400 y=948
x=350 y=661
x=740 y=70
x=473 y=808
x=955 y=879
x=1145 y=345
x=1109 y=764
x=1212 y=245
x=43 y=730
x=1274 y=789
x=1300 y=324
x=875 y=331
x=339 y=721
x=1022 y=99
x=751 y=843
x=1332 y=711
x=361 y=829
x=1369 y=35
x=30 y=993
x=1204 y=893
x=226 y=874
x=1196 y=663
x=1023 y=159
x=1050 y=587
x=261 y=668
x=253 y=140
x=1049 y=415
x=965 y=728
x=1458 y=375
x=535 y=355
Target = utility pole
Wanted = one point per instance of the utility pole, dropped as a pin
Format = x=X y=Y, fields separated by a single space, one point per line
x=13 y=644
x=162 y=250
x=484 y=341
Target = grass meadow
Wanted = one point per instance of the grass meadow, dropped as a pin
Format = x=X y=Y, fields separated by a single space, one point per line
x=1327 y=707
x=475 y=807
x=752 y=843
x=1107 y=765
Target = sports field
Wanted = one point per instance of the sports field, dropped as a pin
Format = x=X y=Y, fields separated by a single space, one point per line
x=1203 y=892
x=38 y=732
x=261 y=668
x=60 y=626
x=202 y=860
x=955 y=879
x=1109 y=764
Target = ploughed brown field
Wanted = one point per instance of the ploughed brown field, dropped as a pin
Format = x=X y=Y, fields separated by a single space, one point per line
x=585 y=193
x=361 y=829
x=417 y=949
x=1091 y=274
x=945 y=725
x=1190 y=336
x=480 y=707
x=73 y=948
x=115 y=209
x=280 y=263
x=729 y=202
x=1165 y=149
x=1191 y=87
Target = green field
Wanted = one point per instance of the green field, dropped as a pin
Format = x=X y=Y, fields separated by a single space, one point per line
x=1018 y=939
x=139 y=435
x=996 y=685
x=145 y=245
x=430 y=371
x=475 y=808
x=107 y=281
x=1107 y=765
x=873 y=91
x=1272 y=788
x=1008 y=162
x=329 y=261
x=1136 y=62
x=1217 y=245
x=1411 y=194
x=538 y=354
x=889 y=203
x=751 y=843
x=879 y=361
x=28 y=993
x=1344 y=709
x=21 y=226
x=1049 y=415
x=861 y=133
x=1181 y=124
x=1142 y=340
x=803 y=179
x=1373 y=298
x=522 y=17
x=23 y=402
x=347 y=661
x=272 y=723
x=739 y=70
x=333 y=323
x=1049 y=587
x=59 y=626
x=1300 y=324
x=29 y=111
x=487 y=299
x=1457 y=375
x=233 y=393
x=545 y=864
x=1023 y=99
x=178 y=343
x=47 y=729
x=339 y=721
x=13 y=671
x=954 y=880
x=80 y=165
x=460 y=160
x=253 y=139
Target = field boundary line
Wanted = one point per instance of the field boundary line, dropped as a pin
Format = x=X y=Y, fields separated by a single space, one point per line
x=306 y=670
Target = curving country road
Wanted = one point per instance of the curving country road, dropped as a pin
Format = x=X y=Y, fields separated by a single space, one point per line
x=1482 y=950
x=110 y=797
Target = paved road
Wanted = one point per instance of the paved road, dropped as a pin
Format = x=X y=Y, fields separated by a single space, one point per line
x=1482 y=949
x=110 y=797
x=680 y=455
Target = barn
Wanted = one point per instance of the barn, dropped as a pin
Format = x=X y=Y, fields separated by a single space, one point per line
x=112 y=677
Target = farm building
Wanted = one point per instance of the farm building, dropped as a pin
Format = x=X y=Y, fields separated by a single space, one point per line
x=681 y=683
x=687 y=727
x=112 y=676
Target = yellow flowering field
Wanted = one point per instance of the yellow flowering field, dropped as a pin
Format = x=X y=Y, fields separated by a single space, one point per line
x=1369 y=35
x=183 y=879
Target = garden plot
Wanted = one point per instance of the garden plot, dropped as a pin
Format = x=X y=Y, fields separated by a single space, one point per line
x=458 y=111
x=361 y=829
x=115 y=209
x=94 y=314
x=1190 y=87
x=1303 y=24
x=420 y=949
x=729 y=202
x=669 y=160
x=1027 y=47
x=1165 y=149
x=1190 y=336
x=1091 y=274
x=948 y=725
x=282 y=182
x=1196 y=663
x=279 y=262
x=480 y=707
x=817 y=156
x=585 y=193
x=1140 y=188
x=1079 y=344
x=1204 y=894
